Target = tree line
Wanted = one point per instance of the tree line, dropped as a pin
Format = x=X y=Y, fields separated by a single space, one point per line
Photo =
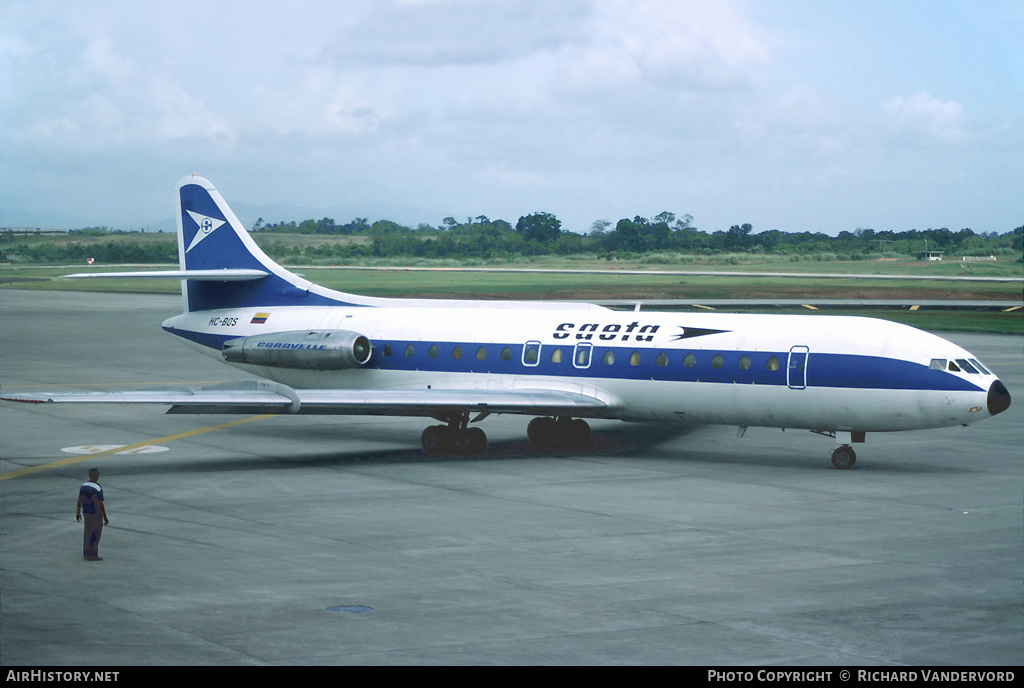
x=541 y=234
x=104 y=252
x=538 y=234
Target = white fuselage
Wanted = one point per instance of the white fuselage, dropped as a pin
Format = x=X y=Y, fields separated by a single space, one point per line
x=814 y=372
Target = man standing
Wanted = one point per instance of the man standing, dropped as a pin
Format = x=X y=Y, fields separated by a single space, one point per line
x=90 y=501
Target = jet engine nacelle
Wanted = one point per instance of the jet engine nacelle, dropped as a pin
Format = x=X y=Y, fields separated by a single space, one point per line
x=306 y=349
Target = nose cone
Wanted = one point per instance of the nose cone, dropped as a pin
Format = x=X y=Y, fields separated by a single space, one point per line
x=998 y=398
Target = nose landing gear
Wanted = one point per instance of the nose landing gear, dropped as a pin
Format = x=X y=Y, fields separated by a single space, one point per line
x=843 y=458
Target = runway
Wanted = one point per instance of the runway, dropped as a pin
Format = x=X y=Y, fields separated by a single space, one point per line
x=332 y=540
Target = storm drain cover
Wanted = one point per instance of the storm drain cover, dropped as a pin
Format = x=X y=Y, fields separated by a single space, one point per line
x=350 y=608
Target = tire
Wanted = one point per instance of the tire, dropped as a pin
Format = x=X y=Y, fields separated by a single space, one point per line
x=575 y=434
x=477 y=440
x=844 y=458
x=462 y=442
x=437 y=439
x=543 y=432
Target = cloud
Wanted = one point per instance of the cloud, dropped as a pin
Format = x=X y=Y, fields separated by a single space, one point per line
x=458 y=32
x=82 y=92
x=726 y=110
x=676 y=45
x=940 y=120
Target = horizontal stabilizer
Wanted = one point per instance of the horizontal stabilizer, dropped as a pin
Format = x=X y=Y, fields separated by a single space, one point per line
x=225 y=275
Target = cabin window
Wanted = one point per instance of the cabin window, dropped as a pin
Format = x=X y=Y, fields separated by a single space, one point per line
x=634 y=358
x=717 y=361
x=582 y=356
x=772 y=363
x=609 y=358
x=937 y=364
x=662 y=359
x=387 y=349
x=556 y=356
x=481 y=354
x=745 y=363
x=432 y=351
x=506 y=354
x=689 y=361
x=457 y=353
x=409 y=351
x=531 y=353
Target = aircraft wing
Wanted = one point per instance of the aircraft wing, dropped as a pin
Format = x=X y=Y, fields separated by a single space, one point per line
x=253 y=397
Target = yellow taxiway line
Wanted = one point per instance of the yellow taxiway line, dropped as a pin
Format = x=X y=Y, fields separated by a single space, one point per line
x=117 y=450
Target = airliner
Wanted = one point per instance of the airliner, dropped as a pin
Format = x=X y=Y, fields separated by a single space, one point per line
x=321 y=351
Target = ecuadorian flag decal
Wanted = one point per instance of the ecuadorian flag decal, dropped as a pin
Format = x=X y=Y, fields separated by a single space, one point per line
x=259 y=318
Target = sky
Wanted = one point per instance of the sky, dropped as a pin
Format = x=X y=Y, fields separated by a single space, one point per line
x=795 y=115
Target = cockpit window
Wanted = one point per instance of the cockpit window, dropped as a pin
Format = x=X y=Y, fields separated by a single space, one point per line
x=980 y=367
x=938 y=364
x=962 y=362
x=953 y=368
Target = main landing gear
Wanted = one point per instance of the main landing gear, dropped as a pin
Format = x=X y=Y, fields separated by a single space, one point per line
x=568 y=433
x=452 y=439
x=458 y=438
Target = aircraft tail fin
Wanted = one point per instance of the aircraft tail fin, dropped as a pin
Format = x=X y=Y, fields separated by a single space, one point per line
x=211 y=238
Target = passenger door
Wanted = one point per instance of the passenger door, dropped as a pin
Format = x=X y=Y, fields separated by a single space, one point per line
x=796 y=369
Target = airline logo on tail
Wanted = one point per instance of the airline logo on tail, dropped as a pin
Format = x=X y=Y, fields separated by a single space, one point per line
x=207 y=225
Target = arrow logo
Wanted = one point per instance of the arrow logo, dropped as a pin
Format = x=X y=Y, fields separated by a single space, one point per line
x=688 y=332
x=207 y=225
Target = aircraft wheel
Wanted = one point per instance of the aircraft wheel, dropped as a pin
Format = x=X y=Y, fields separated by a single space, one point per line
x=575 y=433
x=477 y=440
x=461 y=442
x=437 y=439
x=843 y=458
x=543 y=432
